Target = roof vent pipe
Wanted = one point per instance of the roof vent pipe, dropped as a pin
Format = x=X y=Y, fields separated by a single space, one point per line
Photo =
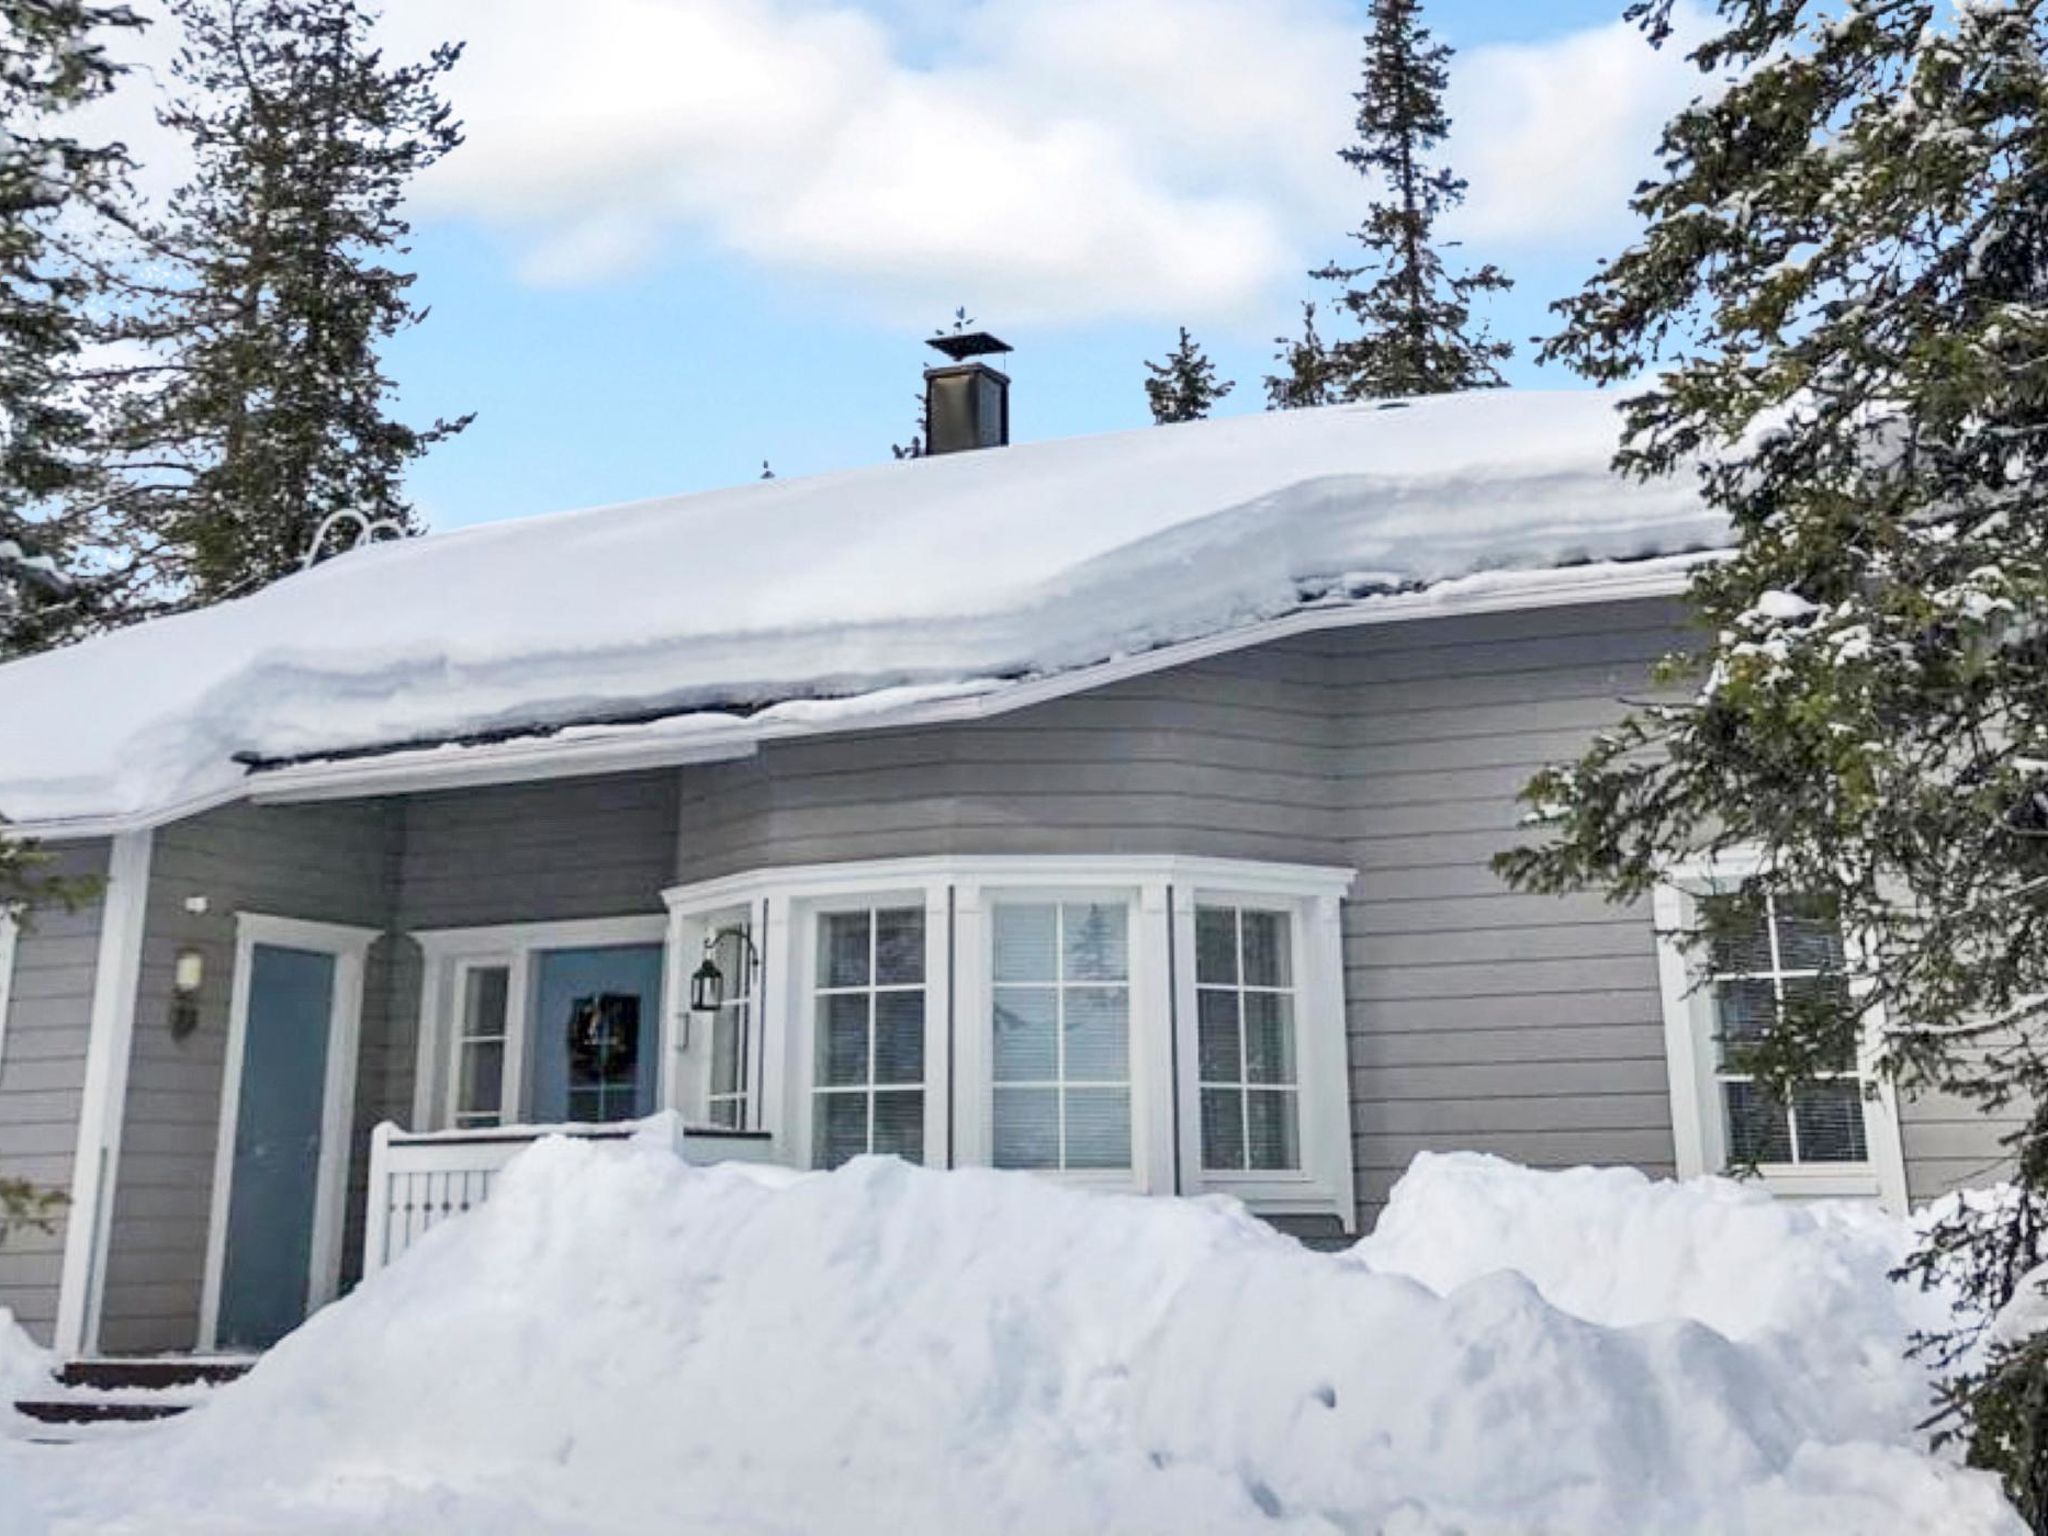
x=966 y=402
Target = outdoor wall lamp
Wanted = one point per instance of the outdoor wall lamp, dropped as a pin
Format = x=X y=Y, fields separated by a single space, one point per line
x=707 y=982
x=188 y=975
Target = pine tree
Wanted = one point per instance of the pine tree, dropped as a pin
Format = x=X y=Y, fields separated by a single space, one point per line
x=1305 y=377
x=1841 y=293
x=52 y=61
x=1185 y=386
x=273 y=411
x=1417 y=333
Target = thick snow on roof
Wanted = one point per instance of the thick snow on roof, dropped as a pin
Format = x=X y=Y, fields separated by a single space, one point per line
x=947 y=572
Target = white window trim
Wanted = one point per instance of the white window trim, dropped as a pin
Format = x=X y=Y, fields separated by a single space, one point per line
x=1696 y=1113
x=956 y=891
x=10 y=933
x=1322 y=1054
x=447 y=954
x=349 y=947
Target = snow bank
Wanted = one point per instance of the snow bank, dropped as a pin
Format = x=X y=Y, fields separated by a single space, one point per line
x=621 y=1343
x=1027 y=560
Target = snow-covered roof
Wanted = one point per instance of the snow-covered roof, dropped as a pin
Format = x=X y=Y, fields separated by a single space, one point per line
x=837 y=601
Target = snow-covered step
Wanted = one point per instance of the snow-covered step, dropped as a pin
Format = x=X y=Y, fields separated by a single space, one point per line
x=89 y=1392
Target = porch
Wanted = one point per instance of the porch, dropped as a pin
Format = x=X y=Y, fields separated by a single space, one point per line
x=420 y=1179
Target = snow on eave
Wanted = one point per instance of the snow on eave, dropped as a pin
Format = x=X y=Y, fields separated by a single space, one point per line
x=719 y=736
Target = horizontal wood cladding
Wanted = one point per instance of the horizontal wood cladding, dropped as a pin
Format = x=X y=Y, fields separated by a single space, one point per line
x=42 y=1078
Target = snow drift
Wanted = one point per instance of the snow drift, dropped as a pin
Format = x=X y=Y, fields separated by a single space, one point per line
x=947 y=574
x=621 y=1343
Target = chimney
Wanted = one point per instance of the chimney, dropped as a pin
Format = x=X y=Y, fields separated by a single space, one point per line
x=966 y=402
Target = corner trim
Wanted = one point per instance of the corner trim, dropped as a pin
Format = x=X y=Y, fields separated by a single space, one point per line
x=117 y=977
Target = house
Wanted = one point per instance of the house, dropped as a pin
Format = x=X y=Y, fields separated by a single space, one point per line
x=1116 y=808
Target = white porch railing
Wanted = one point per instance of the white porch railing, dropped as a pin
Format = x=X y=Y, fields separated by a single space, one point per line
x=419 y=1179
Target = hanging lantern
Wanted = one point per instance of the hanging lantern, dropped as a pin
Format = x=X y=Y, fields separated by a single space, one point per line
x=707 y=987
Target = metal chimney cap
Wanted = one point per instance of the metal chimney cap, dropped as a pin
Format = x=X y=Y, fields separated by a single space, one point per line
x=974 y=344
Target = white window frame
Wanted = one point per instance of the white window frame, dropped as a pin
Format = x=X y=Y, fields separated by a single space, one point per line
x=1698 y=1117
x=1145 y=986
x=957 y=892
x=805 y=992
x=447 y=954
x=509 y=1071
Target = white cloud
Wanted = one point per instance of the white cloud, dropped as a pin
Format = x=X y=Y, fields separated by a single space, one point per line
x=1048 y=159
x=1553 y=136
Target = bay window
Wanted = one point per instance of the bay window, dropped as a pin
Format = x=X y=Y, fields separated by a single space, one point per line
x=1144 y=1022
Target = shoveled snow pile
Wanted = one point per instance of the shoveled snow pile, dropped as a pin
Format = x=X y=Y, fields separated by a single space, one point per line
x=622 y=1343
x=882 y=585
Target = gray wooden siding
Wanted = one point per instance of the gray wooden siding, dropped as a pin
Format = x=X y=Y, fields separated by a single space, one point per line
x=324 y=863
x=1478 y=1018
x=42 y=1079
x=545 y=852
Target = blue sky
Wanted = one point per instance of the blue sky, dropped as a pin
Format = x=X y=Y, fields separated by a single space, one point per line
x=688 y=235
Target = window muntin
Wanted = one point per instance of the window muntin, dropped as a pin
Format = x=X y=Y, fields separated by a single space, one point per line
x=1061 y=1030
x=728 y=1101
x=1246 y=1039
x=484 y=1014
x=1763 y=954
x=868 y=1001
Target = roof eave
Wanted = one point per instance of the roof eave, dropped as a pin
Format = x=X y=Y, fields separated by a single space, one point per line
x=569 y=756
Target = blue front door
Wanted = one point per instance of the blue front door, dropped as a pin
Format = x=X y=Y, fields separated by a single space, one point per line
x=596 y=1034
x=274 y=1184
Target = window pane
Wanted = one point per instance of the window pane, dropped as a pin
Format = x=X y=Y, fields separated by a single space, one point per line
x=842 y=1120
x=1738 y=940
x=1745 y=1010
x=1812 y=995
x=1027 y=1126
x=1027 y=942
x=1216 y=1046
x=1269 y=1037
x=1024 y=1026
x=1222 y=1128
x=1216 y=946
x=727 y=1114
x=483 y=1078
x=899 y=1037
x=1808 y=939
x=1830 y=1122
x=843 y=949
x=899 y=947
x=1273 y=1137
x=728 y=1050
x=1759 y=1130
x=1098 y=1029
x=899 y=1123
x=1098 y=1128
x=1098 y=941
x=842 y=1039
x=604 y=1040
x=1268 y=956
x=483 y=1006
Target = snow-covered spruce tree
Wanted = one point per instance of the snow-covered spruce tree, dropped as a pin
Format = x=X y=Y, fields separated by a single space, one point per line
x=1305 y=376
x=273 y=409
x=1844 y=273
x=54 y=188
x=1417 y=334
x=1185 y=386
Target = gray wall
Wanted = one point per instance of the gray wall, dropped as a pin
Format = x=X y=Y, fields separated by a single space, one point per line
x=1479 y=1019
x=325 y=863
x=42 y=1078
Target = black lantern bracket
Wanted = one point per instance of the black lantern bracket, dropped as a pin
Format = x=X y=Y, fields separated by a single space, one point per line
x=707 y=982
